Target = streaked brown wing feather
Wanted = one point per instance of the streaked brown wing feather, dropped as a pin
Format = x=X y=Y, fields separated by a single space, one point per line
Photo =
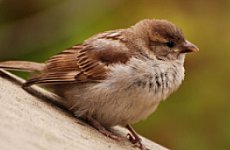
x=64 y=61
x=81 y=63
x=52 y=78
x=71 y=65
x=91 y=68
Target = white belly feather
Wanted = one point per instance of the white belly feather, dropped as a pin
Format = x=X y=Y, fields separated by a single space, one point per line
x=130 y=93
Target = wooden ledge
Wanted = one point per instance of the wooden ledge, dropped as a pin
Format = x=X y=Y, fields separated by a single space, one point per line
x=35 y=121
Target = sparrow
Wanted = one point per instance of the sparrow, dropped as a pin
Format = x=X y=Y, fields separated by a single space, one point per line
x=117 y=77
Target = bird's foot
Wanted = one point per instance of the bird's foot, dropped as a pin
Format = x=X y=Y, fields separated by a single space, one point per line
x=135 y=139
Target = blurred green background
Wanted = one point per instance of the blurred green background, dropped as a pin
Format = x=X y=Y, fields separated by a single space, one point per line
x=197 y=116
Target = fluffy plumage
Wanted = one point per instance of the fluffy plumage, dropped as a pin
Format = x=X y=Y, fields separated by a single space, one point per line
x=118 y=77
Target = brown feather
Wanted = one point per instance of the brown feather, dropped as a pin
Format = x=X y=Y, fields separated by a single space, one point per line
x=22 y=66
x=81 y=63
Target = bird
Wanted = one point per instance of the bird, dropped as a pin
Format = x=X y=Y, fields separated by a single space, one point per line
x=116 y=77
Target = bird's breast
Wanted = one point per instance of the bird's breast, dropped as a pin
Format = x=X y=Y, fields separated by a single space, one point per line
x=136 y=88
x=154 y=80
x=130 y=93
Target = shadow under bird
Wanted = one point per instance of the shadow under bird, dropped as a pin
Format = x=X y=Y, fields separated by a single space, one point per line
x=117 y=77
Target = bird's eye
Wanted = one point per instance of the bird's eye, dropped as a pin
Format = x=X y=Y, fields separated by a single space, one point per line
x=170 y=44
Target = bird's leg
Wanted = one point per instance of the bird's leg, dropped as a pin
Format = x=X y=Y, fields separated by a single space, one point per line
x=102 y=129
x=134 y=138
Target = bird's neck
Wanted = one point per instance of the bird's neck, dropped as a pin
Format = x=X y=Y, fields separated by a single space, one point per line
x=181 y=59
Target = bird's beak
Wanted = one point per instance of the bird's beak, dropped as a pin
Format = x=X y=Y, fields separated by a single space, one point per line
x=188 y=47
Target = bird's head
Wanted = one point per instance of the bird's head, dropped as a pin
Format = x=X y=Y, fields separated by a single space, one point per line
x=165 y=40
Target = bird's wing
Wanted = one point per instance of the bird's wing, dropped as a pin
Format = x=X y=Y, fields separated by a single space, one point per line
x=81 y=63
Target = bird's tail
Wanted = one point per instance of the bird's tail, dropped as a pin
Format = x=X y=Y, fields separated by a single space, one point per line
x=26 y=66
